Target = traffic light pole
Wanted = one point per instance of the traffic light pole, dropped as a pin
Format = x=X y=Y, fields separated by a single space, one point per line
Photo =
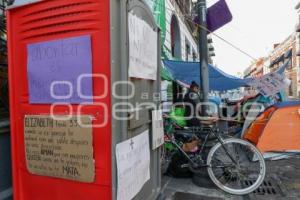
x=203 y=52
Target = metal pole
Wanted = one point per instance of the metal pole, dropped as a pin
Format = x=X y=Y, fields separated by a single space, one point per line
x=203 y=53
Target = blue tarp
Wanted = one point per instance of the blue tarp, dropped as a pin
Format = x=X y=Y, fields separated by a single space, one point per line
x=287 y=104
x=186 y=72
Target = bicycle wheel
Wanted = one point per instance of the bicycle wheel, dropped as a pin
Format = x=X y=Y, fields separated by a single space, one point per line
x=236 y=167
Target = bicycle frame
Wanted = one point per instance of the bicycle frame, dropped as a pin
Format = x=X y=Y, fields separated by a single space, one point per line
x=202 y=146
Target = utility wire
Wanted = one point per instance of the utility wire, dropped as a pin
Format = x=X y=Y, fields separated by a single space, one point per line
x=184 y=15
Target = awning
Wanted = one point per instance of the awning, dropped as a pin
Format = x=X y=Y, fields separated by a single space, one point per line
x=281 y=58
x=186 y=72
x=277 y=60
x=289 y=53
x=165 y=74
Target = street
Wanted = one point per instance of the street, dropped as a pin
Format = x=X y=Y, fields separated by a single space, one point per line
x=282 y=182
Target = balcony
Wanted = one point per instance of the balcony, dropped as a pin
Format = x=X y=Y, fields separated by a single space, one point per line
x=298 y=28
x=184 y=5
x=186 y=9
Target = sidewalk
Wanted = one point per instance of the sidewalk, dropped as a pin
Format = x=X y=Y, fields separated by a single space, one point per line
x=282 y=182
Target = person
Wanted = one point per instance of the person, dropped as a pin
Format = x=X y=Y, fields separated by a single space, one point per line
x=191 y=100
x=193 y=111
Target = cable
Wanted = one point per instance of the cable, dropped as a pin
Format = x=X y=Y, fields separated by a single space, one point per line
x=216 y=35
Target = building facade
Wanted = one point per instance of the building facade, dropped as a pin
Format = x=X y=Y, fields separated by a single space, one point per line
x=179 y=41
x=288 y=50
x=175 y=21
x=283 y=52
x=258 y=68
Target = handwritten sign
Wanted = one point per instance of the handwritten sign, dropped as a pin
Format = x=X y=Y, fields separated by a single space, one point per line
x=270 y=84
x=133 y=163
x=54 y=68
x=157 y=129
x=142 y=49
x=59 y=148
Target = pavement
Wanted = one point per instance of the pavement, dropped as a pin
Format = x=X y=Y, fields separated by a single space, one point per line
x=282 y=182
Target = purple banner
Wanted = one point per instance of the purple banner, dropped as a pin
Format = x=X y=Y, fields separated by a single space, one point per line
x=218 y=15
x=54 y=67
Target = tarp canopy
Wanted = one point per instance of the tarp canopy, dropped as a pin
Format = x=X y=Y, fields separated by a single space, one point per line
x=186 y=72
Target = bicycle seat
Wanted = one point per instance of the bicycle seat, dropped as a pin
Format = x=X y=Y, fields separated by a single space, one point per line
x=183 y=135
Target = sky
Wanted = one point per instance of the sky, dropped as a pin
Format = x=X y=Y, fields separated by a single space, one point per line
x=256 y=26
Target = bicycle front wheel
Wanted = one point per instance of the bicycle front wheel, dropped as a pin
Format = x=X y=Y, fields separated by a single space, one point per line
x=236 y=166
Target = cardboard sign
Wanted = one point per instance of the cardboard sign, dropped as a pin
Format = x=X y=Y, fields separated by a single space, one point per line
x=157 y=129
x=59 y=148
x=142 y=49
x=56 y=70
x=133 y=165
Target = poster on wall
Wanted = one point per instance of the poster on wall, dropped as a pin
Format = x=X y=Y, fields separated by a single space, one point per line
x=60 y=148
x=270 y=84
x=142 y=49
x=133 y=165
x=56 y=69
x=157 y=129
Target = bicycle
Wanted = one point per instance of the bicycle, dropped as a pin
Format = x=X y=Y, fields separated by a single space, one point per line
x=234 y=165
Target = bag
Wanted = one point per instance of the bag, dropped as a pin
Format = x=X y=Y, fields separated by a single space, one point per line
x=178 y=166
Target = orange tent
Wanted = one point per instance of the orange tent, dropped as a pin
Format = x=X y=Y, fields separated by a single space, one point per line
x=277 y=129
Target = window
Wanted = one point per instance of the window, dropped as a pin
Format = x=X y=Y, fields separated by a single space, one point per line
x=175 y=38
x=291 y=88
x=194 y=55
x=187 y=49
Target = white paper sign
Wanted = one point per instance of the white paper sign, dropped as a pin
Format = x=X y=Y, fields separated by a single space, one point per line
x=18 y=3
x=270 y=84
x=157 y=129
x=133 y=165
x=142 y=49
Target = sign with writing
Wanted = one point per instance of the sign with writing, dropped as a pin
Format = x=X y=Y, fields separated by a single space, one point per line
x=157 y=129
x=133 y=163
x=270 y=84
x=55 y=70
x=59 y=148
x=142 y=49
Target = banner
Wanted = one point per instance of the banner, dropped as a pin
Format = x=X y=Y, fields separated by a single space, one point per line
x=217 y=16
x=270 y=84
x=158 y=8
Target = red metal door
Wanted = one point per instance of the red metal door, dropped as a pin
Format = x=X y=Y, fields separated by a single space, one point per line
x=45 y=21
